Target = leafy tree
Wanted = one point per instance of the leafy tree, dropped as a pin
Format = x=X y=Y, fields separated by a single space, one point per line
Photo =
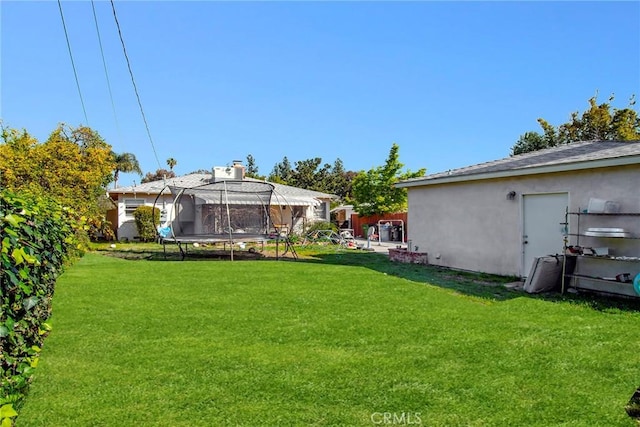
x=17 y=158
x=282 y=172
x=348 y=192
x=307 y=175
x=252 y=169
x=374 y=191
x=125 y=162
x=598 y=123
x=171 y=162
x=311 y=174
x=158 y=175
x=529 y=141
x=339 y=181
x=73 y=166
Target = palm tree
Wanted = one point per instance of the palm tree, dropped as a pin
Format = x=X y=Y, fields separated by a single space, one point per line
x=125 y=162
x=171 y=162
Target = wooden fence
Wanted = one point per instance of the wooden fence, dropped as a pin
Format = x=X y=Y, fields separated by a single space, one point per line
x=357 y=222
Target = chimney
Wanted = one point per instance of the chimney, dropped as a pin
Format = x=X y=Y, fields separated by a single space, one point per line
x=238 y=165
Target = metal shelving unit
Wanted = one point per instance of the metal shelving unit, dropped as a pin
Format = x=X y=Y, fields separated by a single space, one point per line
x=584 y=271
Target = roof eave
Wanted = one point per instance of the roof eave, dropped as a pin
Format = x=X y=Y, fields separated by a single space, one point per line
x=565 y=167
x=129 y=191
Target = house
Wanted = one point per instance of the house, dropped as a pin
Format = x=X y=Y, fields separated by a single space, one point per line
x=301 y=206
x=497 y=217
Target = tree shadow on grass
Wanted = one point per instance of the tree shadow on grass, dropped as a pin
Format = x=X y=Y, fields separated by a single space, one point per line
x=474 y=284
x=481 y=285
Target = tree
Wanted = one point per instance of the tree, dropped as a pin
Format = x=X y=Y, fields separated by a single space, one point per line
x=158 y=175
x=252 y=169
x=307 y=175
x=310 y=175
x=374 y=192
x=17 y=158
x=202 y=171
x=125 y=162
x=281 y=172
x=598 y=123
x=339 y=181
x=530 y=141
x=73 y=166
x=171 y=162
x=349 y=176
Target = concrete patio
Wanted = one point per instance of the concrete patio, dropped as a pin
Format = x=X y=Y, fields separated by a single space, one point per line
x=380 y=247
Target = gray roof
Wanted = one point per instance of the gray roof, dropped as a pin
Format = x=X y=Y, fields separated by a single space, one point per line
x=574 y=156
x=155 y=187
x=198 y=179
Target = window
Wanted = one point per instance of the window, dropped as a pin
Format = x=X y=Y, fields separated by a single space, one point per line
x=320 y=211
x=131 y=205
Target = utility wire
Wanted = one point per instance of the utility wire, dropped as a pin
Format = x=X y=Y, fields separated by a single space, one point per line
x=135 y=88
x=104 y=63
x=73 y=65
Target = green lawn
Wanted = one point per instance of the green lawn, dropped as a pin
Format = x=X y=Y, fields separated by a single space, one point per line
x=339 y=339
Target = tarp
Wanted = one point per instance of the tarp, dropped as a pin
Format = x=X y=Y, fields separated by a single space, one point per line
x=545 y=275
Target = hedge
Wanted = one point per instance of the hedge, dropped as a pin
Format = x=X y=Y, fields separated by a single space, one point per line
x=146 y=217
x=38 y=237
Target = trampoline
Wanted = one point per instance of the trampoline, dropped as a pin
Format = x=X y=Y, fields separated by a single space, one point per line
x=228 y=212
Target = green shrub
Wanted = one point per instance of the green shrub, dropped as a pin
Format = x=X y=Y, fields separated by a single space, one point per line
x=322 y=225
x=37 y=237
x=146 y=218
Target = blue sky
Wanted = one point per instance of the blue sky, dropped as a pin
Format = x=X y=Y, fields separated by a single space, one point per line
x=452 y=83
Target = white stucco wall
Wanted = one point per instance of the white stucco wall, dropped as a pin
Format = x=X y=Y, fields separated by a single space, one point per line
x=127 y=229
x=473 y=226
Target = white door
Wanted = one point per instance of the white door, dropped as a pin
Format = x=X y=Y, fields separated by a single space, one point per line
x=544 y=215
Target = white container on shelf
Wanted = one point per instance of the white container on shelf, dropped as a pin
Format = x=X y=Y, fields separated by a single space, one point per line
x=603 y=206
x=596 y=205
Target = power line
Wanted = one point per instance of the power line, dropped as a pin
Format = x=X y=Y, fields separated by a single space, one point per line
x=73 y=65
x=104 y=63
x=135 y=88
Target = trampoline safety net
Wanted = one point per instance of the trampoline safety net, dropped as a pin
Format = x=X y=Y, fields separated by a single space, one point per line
x=224 y=212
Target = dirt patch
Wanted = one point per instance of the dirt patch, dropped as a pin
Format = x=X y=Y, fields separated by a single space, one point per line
x=467 y=279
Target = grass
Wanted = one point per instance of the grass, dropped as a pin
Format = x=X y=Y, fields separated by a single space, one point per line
x=335 y=338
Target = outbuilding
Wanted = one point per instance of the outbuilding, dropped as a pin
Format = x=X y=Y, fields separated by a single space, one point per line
x=498 y=217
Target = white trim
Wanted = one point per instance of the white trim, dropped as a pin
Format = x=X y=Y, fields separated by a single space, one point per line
x=137 y=203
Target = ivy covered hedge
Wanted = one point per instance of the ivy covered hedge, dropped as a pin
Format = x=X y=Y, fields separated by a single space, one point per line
x=38 y=237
